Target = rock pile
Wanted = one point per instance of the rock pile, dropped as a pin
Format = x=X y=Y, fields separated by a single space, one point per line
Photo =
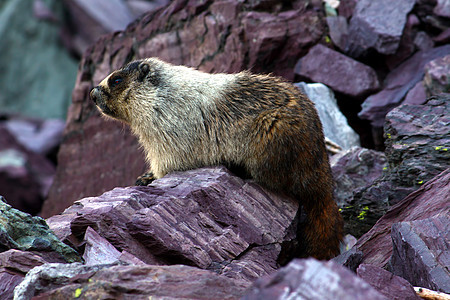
x=207 y=234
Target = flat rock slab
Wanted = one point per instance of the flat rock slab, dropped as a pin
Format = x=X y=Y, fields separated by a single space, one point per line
x=339 y=72
x=312 y=279
x=206 y=218
x=70 y=281
x=431 y=200
x=421 y=252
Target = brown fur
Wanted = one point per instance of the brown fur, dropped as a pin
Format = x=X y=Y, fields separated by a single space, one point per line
x=261 y=124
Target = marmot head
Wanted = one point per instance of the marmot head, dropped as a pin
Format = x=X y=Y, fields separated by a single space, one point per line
x=117 y=93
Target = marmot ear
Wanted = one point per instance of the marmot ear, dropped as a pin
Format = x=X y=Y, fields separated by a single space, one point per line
x=144 y=69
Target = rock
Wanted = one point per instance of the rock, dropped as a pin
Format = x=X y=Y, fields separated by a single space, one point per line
x=421 y=251
x=346 y=8
x=225 y=36
x=335 y=126
x=442 y=8
x=338 y=27
x=430 y=200
x=378 y=25
x=37 y=72
x=437 y=76
x=14 y=264
x=99 y=251
x=391 y=286
x=25 y=176
x=351 y=259
x=337 y=71
x=39 y=136
x=311 y=279
x=206 y=218
x=417 y=95
x=21 y=231
x=353 y=170
x=69 y=281
x=416 y=150
x=397 y=84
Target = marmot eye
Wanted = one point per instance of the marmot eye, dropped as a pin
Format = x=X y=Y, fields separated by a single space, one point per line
x=116 y=81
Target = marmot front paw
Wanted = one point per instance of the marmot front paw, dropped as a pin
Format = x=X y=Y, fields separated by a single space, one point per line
x=145 y=179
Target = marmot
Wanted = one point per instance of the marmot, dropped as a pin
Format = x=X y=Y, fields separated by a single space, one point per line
x=259 y=124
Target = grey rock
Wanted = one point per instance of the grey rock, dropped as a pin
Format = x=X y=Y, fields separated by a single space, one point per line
x=334 y=123
x=21 y=231
x=69 y=281
x=431 y=200
x=378 y=25
x=397 y=84
x=312 y=279
x=391 y=286
x=37 y=72
x=421 y=252
x=339 y=72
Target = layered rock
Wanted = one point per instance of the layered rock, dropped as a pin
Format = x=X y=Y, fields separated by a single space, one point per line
x=206 y=218
x=430 y=200
x=417 y=139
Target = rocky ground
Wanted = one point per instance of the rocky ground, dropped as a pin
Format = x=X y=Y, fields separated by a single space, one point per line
x=378 y=72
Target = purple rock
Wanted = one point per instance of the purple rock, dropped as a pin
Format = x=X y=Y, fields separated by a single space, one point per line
x=421 y=251
x=437 y=76
x=336 y=70
x=206 y=218
x=312 y=279
x=397 y=85
x=393 y=287
x=377 y=24
x=430 y=200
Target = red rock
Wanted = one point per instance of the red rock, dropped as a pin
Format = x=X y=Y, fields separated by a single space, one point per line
x=421 y=251
x=336 y=71
x=430 y=200
x=391 y=286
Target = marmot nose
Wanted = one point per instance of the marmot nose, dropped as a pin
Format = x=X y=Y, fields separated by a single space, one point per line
x=95 y=94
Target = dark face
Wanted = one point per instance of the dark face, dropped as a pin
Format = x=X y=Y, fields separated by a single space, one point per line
x=113 y=94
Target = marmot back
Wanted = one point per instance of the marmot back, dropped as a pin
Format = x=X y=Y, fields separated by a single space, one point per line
x=262 y=125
